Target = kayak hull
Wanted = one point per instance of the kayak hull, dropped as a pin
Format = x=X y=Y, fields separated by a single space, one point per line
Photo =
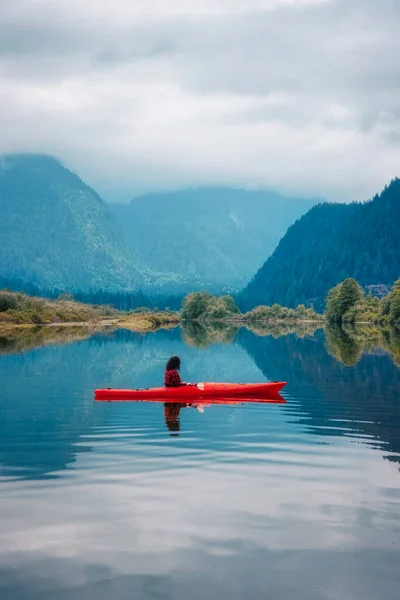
x=250 y=391
x=270 y=399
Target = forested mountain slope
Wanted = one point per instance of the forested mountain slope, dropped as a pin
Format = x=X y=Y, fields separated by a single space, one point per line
x=215 y=237
x=327 y=245
x=55 y=231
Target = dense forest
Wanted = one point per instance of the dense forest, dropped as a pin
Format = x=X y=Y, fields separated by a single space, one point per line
x=215 y=236
x=57 y=235
x=56 y=232
x=121 y=300
x=327 y=245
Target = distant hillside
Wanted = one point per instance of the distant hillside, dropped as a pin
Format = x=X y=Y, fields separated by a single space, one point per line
x=55 y=231
x=215 y=237
x=327 y=245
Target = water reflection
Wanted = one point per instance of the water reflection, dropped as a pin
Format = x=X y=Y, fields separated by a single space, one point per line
x=345 y=343
x=201 y=335
x=282 y=328
x=47 y=394
x=291 y=501
x=331 y=398
x=342 y=346
x=349 y=343
x=21 y=339
x=171 y=413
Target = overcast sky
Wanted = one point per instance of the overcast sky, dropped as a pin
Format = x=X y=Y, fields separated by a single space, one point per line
x=302 y=96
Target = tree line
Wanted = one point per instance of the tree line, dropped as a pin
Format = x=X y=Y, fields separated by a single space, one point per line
x=330 y=243
x=347 y=302
x=126 y=301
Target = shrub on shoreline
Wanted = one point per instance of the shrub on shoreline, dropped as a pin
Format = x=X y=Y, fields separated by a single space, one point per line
x=19 y=308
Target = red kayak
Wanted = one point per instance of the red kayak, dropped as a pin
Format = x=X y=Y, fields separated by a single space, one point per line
x=253 y=392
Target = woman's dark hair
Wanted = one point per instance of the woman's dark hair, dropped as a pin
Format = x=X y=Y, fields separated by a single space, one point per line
x=174 y=363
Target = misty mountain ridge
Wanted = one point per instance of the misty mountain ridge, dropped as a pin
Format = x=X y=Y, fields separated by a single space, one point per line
x=216 y=236
x=56 y=232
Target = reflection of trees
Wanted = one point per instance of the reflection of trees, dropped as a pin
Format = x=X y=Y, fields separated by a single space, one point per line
x=343 y=346
x=349 y=342
x=345 y=343
x=202 y=335
x=22 y=339
x=327 y=391
x=277 y=329
x=391 y=342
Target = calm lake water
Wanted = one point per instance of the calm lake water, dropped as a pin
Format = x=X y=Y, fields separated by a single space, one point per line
x=295 y=501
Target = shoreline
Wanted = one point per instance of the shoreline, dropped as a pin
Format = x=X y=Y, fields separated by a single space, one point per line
x=94 y=324
x=140 y=323
x=145 y=322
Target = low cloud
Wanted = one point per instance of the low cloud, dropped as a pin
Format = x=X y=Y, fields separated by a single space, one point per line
x=299 y=96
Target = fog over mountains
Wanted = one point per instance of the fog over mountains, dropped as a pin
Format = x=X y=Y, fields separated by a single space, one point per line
x=57 y=232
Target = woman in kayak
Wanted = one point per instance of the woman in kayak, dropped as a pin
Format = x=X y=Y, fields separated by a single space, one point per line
x=171 y=377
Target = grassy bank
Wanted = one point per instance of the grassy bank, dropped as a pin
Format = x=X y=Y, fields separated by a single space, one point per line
x=17 y=308
x=27 y=322
x=20 y=310
x=149 y=321
x=347 y=304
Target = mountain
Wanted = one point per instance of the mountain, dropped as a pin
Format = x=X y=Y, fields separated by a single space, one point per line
x=327 y=245
x=56 y=232
x=215 y=236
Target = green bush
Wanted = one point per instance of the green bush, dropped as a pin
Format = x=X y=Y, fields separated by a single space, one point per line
x=204 y=306
x=341 y=299
x=7 y=301
x=281 y=313
x=395 y=307
x=21 y=309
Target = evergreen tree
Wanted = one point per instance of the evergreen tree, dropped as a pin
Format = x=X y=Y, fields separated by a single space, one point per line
x=331 y=312
x=341 y=299
x=350 y=294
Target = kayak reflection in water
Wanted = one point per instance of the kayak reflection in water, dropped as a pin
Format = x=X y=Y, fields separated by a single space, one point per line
x=171 y=413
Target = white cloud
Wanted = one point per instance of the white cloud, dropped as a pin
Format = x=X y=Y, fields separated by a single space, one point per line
x=299 y=96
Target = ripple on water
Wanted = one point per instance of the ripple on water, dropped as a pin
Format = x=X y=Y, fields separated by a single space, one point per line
x=295 y=501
